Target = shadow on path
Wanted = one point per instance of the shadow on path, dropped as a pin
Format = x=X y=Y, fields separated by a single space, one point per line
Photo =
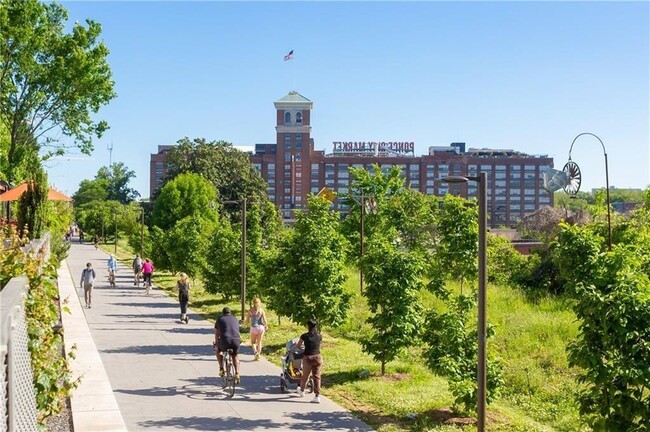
x=212 y=424
x=192 y=350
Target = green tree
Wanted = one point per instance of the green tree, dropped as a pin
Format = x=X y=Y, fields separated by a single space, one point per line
x=393 y=278
x=91 y=190
x=228 y=168
x=262 y=240
x=505 y=264
x=187 y=244
x=456 y=253
x=452 y=351
x=185 y=195
x=110 y=183
x=223 y=272
x=159 y=254
x=32 y=206
x=310 y=268
x=376 y=188
x=51 y=82
x=117 y=178
x=612 y=303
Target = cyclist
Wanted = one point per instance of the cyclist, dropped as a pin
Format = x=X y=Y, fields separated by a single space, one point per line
x=226 y=336
x=147 y=272
x=112 y=268
x=137 y=268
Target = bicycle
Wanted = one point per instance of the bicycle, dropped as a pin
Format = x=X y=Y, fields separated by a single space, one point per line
x=147 y=282
x=229 y=369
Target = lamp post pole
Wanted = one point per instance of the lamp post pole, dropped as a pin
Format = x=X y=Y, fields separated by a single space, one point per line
x=142 y=232
x=481 y=402
x=361 y=233
x=482 y=299
x=244 y=204
x=609 y=218
x=116 y=233
x=243 y=257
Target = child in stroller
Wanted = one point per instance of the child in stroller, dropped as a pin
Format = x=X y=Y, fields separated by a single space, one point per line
x=292 y=368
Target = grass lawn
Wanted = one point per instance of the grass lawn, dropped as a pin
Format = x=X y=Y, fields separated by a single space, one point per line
x=531 y=340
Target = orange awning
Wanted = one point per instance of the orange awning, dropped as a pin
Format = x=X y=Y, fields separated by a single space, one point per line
x=15 y=194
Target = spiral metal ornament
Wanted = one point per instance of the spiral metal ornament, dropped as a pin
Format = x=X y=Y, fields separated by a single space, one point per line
x=574 y=175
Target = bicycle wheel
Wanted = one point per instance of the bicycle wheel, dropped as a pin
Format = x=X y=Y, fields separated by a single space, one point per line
x=230 y=373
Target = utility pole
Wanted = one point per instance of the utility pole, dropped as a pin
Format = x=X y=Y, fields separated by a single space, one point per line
x=110 y=153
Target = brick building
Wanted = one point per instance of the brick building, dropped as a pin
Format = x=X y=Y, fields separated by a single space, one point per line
x=293 y=168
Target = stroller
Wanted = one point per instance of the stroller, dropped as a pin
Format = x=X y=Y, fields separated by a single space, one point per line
x=292 y=368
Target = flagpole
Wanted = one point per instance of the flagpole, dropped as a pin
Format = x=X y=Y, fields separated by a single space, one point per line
x=293 y=73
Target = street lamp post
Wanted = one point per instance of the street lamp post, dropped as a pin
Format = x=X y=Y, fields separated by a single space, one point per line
x=481 y=179
x=244 y=204
x=609 y=220
x=361 y=234
x=115 y=233
x=142 y=232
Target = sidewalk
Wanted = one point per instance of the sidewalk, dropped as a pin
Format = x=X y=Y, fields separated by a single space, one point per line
x=164 y=374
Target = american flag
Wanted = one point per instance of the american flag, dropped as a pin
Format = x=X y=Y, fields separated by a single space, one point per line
x=289 y=56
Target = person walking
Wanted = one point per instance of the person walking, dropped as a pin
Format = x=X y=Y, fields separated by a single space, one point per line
x=87 y=281
x=183 y=285
x=259 y=326
x=147 y=272
x=226 y=336
x=312 y=362
x=137 y=268
x=112 y=268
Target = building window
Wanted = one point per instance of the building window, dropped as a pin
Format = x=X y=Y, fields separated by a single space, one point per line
x=287 y=118
x=299 y=117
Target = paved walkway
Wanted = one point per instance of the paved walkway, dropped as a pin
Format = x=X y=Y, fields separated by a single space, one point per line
x=164 y=373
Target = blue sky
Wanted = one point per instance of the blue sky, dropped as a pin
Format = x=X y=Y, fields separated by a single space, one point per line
x=525 y=76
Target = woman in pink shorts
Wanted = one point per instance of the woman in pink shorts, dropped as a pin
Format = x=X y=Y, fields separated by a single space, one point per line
x=259 y=326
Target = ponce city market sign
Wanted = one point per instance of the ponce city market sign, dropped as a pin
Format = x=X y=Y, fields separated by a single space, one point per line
x=400 y=147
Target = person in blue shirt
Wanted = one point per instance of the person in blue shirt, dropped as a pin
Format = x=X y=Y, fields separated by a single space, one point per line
x=112 y=268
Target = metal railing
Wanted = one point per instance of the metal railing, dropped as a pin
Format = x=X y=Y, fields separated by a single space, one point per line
x=17 y=395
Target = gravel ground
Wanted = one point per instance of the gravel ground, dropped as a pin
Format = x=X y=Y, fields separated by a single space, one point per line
x=61 y=422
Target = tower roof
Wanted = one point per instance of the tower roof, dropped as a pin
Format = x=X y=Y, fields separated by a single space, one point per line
x=294 y=97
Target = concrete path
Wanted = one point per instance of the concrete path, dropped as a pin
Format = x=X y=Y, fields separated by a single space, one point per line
x=93 y=403
x=165 y=376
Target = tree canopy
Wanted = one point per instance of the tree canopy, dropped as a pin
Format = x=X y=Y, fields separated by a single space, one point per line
x=228 y=168
x=52 y=82
x=183 y=196
x=110 y=183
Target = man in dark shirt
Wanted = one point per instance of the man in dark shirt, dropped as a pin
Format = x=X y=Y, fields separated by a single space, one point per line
x=226 y=336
